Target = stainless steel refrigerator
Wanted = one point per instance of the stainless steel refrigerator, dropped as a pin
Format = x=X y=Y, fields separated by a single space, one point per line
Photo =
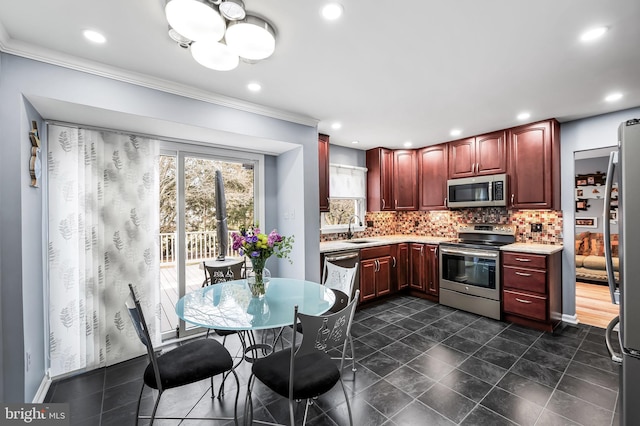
x=627 y=292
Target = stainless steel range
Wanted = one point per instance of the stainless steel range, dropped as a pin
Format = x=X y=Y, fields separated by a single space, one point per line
x=470 y=268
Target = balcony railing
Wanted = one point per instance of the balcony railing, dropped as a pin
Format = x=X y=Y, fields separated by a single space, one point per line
x=199 y=245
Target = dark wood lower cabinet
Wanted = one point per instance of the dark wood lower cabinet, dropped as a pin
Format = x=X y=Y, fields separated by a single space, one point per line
x=402 y=265
x=532 y=289
x=424 y=279
x=375 y=272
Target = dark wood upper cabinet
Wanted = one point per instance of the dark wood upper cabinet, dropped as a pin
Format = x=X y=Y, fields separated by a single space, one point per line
x=380 y=180
x=534 y=166
x=404 y=180
x=480 y=155
x=491 y=153
x=433 y=172
x=462 y=158
x=323 y=163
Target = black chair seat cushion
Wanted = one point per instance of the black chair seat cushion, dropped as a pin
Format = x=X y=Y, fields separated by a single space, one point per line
x=314 y=374
x=190 y=363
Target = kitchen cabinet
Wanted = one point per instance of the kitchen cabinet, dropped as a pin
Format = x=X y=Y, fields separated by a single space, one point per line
x=433 y=172
x=433 y=273
x=323 y=165
x=405 y=179
x=534 y=166
x=380 y=180
x=417 y=267
x=424 y=271
x=532 y=289
x=402 y=266
x=375 y=272
x=479 y=155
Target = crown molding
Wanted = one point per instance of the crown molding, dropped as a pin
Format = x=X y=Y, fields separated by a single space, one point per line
x=37 y=53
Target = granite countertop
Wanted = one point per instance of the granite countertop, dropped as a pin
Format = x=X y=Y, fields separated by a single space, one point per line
x=533 y=248
x=358 y=243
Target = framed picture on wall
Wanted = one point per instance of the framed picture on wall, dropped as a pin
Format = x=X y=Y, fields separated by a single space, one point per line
x=587 y=222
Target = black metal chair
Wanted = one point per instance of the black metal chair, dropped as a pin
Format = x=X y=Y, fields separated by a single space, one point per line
x=342 y=281
x=215 y=275
x=188 y=363
x=307 y=371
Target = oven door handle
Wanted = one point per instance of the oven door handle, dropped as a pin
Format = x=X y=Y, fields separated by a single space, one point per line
x=475 y=253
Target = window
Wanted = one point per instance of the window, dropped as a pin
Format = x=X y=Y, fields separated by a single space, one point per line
x=347 y=190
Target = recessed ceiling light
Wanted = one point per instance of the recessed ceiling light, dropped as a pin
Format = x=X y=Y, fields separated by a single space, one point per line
x=407 y=144
x=593 y=34
x=332 y=11
x=94 y=36
x=613 y=97
x=336 y=126
x=254 y=87
x=355 y=142
x=456 y=132
x=523 y=116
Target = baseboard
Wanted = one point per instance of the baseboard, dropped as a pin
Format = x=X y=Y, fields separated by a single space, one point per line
x=41 y=394
x=570 y=319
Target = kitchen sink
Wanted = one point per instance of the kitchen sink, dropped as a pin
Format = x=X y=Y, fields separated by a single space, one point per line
x=359 y=241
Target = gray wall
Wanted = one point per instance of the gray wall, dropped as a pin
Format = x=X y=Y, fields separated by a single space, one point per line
x=22 y=243
x=590 y=133
x=347 y=156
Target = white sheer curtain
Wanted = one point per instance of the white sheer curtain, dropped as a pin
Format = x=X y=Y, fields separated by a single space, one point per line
x=103 y=227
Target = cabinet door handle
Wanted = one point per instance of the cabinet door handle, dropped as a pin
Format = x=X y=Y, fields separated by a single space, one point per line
x=383 y=203
x=522 y=274
x=521 y=259
x=512 y=198
x=445 y=201
x=523 y=301
x=377 y=265
x=422 y=251
x=394 y=261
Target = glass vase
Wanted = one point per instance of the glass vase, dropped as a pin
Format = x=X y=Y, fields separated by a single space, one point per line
x=257 y=279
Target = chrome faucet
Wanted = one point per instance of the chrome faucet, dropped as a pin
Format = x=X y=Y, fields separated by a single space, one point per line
x=349 y=233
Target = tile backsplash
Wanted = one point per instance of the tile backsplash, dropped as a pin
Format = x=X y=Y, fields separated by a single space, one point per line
x=444 y=223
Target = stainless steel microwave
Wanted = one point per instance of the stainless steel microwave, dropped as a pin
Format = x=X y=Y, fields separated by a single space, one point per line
x=479 y=191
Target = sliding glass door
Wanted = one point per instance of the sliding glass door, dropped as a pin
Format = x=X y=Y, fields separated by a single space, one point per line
x=188 y=222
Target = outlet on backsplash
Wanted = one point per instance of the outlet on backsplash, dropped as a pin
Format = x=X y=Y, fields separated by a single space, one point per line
x=369 y=224
x=536 y=227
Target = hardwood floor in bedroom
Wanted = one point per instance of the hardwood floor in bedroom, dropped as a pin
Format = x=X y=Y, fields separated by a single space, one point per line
x=593 y=305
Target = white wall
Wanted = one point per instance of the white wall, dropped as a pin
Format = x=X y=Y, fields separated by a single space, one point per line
x=590 y=133
x=23 y=241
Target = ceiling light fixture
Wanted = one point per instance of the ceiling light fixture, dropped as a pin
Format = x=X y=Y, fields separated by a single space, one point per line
x=332 y=11
x=94 y=36
x=219 y=32
x=407 y=144
x=232 y=9
x=613 y=97
x=336 y=126
x=455 y=132
x=593 y=34
x=355 y=142
x=523 y=116
x=254 y=87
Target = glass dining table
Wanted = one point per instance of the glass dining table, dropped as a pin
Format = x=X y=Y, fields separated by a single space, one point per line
x=229 y=305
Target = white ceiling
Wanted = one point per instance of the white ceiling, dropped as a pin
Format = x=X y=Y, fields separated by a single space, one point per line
x=388 y=75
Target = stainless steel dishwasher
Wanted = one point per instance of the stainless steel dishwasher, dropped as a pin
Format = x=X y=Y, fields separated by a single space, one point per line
x=346 y=259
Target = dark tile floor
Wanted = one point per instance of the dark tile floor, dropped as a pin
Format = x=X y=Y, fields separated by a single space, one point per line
x=418 y=363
